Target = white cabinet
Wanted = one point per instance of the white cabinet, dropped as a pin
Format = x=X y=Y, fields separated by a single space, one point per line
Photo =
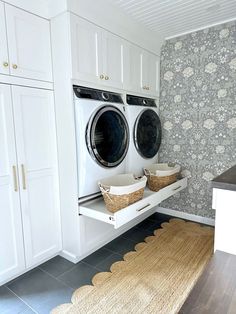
x=11 y=238
x=97 y=55
x=149 y=73
x=29 y=44
x=102 y=58
x=141 y=72
x=4 y=63
x=224 y=202
x=86 y=41
x=36 y=151
x=112 y=53
x=29 y=194
x=133 y=66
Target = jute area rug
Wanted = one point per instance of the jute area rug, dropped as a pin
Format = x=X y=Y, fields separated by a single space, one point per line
x=156 y=278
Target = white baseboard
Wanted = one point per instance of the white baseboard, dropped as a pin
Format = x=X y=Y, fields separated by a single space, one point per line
x=106 y=239
x=27 y=269
x=70 y=257
x=179 y=214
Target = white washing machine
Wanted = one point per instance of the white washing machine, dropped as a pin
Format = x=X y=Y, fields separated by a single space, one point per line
x=102 y=138
x=145 y=133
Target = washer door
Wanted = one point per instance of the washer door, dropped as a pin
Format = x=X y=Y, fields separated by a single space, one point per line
x=147 y=133
x=108 y=136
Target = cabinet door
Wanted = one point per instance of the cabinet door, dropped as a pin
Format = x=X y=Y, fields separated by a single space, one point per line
x=11 y=239
x=150 y=73
x=37 y=160
x=29 y=45
x=4 y=63
x=113 y=47
x=86 y=41
x=134 y=65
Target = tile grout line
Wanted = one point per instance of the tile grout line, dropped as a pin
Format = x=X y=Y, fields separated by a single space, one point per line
x=57 y=279
x=112 y=252
x=22 y=300
x=46 y=272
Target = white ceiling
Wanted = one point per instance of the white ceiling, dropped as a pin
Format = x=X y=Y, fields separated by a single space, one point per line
x=170 y=18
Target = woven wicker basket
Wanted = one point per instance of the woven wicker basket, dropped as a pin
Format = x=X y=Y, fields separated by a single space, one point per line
x=122 y=190
x=117 y=202
x=157 y=182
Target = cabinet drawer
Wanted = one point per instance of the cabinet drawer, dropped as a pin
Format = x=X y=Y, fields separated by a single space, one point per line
x=96 y=208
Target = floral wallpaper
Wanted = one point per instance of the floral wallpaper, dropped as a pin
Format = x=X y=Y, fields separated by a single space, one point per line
x=198 y=111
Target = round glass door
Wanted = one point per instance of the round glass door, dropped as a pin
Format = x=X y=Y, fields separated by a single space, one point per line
x=108 y=136
x=147 y=133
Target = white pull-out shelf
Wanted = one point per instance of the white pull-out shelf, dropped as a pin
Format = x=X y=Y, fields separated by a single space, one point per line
x=96 y=208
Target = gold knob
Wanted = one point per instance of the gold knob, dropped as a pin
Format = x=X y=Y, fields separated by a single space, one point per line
x=5 y=64
x=147 y=88
x=144 y=87
x=101 y=76
x=14 y=66
x=106 y=77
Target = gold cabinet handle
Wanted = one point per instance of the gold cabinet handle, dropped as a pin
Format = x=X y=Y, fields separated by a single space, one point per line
x=15 y=178
x=23 y=177
x=14 y=66
x=101 y=76
x=147 y=88
x=106 y=77
x=5 y=64
x=144 y=87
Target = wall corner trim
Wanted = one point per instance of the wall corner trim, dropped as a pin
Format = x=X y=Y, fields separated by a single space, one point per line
x=181 y=214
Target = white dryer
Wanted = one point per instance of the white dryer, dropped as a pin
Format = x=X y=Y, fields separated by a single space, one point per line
x=102 y=136
x=145 y=133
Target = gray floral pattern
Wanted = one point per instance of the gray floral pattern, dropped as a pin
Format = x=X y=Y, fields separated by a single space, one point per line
x=198 y=111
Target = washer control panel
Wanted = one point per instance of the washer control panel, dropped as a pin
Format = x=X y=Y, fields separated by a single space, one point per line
x=96 y=94
x=140 y=101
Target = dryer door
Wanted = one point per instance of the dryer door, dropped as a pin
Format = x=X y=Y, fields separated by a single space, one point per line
x=108 y=136
x=147 y=133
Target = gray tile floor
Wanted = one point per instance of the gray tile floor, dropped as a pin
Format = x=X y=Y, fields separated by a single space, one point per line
x=53 y=282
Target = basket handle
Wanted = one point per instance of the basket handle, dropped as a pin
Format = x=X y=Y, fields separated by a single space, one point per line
x=146 y=172
x=104 y=189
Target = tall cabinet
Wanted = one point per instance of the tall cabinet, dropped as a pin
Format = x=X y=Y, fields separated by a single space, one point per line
x=29 y=206
x=11 y=233
x=35 y=136
x=30 y=231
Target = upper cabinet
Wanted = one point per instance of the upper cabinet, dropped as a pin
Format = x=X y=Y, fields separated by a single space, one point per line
x=112 y=52
x=97 y=55
x=133 y=67
x=29 y=45
x=86 y=42
x=141 y=71
x=25 y=47
x=4 y=62
x=149 y=73
x=102 y=58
